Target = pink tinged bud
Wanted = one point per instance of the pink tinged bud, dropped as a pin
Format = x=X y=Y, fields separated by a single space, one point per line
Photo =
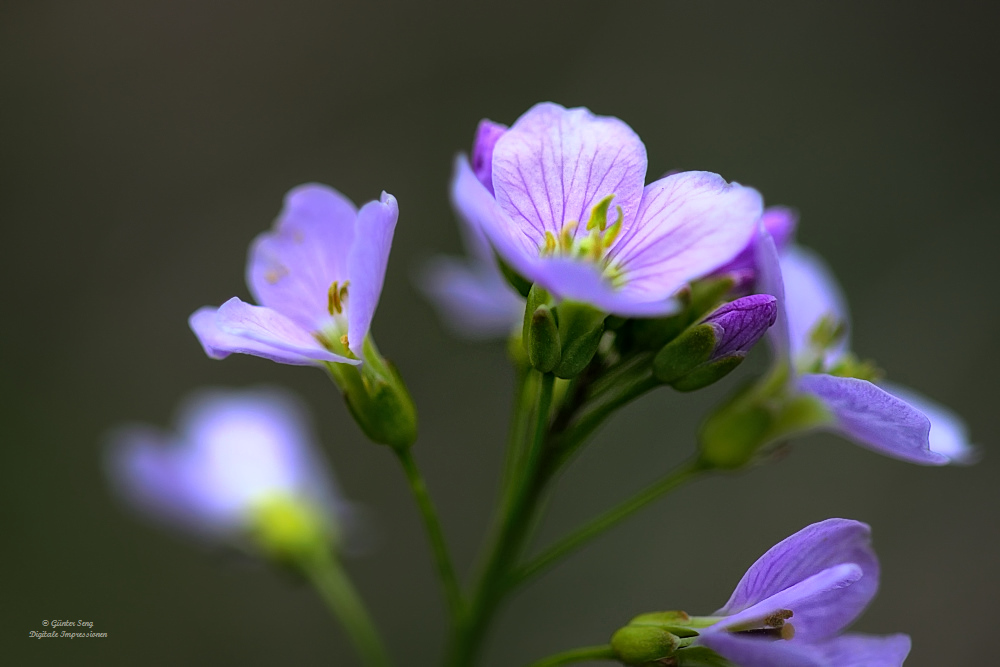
x=487 y=135
x=741 y=323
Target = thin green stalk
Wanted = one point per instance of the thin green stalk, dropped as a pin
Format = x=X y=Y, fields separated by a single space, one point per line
x=604 y=652
x=605 y=400
x=509 y=540
x=439 y=547
x=517 y=440
x=332 y=583
x=581 y=536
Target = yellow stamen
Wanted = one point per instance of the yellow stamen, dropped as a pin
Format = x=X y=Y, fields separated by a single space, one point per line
x=550 y=244
x=333 y=303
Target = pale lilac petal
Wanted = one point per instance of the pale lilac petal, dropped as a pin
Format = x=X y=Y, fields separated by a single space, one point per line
x=769 y=281
x=487 y=135
x=811 y=293
x=555 y=164
x=473 y=300
x=780 y=222
x=812 y=550
x=949 y=435
x=820 y=604
x=290 y=268
x=367 y=264
x=582 y=281
x=746 y=651
x=219 y=344
x=142 y=469
x=688 y=225
x=474 y=203
x=261 y=330
x=874 y=418
x=856 y=650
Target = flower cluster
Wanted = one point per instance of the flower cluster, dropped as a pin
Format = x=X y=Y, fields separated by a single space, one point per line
x=608 y=287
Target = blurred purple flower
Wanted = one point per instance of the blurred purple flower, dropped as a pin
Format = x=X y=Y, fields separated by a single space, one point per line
x=232 y=452
x=792 y=605
x=317 y=276
x=471 y=295
x=811 y=337
x=556 y=173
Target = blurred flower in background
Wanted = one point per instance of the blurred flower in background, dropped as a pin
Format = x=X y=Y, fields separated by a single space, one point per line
x=241 y=467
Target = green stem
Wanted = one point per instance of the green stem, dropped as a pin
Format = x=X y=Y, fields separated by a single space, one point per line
x=573 y=541
x=330 y=580
x=526 y=387
x=604 y=652
x=509 y=540
x=623 y=385
x=439 y=547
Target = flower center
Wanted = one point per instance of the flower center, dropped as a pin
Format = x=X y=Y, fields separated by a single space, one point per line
x=591 y=247
x=774 y=626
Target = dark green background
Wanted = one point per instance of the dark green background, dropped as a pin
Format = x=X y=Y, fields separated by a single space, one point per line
x=145 y=143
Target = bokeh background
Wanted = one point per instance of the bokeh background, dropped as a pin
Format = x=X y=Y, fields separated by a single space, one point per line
x=145 y=143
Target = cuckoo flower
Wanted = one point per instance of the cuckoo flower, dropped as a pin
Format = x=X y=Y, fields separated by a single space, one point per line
x=317 y=277
x=237 y=458
x=566 y=207
x=789 y=610
x=810 y=339
x=472 y=295
x=793 y=603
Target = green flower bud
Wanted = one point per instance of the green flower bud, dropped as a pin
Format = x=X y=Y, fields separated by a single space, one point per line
x=731 y=436
x=580 y=330
x=544 y=348
x=288 y=532
x=640 y=645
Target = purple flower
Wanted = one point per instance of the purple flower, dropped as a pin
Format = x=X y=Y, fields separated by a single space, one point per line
x=792 y=605
x=234 y=454
x=472 y=296
x=810 y=339
x=317 y=277
x=567 y=210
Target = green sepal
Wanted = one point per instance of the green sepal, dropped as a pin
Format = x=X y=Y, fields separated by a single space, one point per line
x=638 y=645
x=513 y=278
x=685 y=353
x=798 y=414
x=580 y=330
x=544 y=348
x=709 y=373
x=377 y=398
x=731 y=436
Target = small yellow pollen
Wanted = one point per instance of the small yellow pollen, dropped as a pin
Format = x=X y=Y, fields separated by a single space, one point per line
x=787 y=631
x=334 y=305
x=344 y=341
x=275 y=273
